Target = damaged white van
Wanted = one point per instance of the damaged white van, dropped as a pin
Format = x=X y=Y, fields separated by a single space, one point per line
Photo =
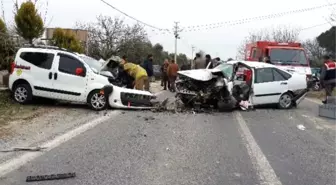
x=55 y=73
x=228 y=84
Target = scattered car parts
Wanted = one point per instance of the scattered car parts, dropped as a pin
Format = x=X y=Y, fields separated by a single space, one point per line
x=50 y=177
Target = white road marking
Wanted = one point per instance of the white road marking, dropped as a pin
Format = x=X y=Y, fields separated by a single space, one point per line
x=264 y=170
x=17 y=162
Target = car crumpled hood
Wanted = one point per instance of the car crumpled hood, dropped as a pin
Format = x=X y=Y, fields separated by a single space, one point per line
x=197 y=74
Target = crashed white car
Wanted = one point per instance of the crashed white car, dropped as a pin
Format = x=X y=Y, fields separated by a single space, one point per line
x=228 y=84
x=54 y=73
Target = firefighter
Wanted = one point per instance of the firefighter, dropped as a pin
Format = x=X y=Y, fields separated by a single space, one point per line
x=138 y=73
x=328 y=77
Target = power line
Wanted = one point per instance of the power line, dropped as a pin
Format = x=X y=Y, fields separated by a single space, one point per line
x=314 y=26
x=247 y=20
x=146 y=24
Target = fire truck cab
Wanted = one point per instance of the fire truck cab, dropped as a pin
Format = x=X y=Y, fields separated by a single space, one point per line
x=286 y=55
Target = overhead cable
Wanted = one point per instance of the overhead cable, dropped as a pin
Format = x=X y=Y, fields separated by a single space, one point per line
x=247 y=20
x=139 y=21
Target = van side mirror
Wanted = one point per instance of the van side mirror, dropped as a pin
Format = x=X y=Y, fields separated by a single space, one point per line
x=79 y=71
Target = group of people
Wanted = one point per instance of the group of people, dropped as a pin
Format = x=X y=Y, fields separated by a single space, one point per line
x=169 y=71
x=200 y=63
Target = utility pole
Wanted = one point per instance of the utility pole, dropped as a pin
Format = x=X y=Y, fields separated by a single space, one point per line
x=192 y=51
x=176 y=34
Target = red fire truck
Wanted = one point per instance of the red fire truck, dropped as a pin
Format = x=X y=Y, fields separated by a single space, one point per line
x=290 y=56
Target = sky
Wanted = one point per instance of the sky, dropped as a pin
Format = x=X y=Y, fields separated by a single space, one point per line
x=219 y=42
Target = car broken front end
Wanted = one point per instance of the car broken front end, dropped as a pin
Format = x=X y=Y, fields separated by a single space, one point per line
x=204 y=88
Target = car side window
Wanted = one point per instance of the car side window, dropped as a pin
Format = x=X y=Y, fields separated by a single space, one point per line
x=278 y=76
x=38 y=59
x=264 y=75
x=284 y=74
x=69 y=64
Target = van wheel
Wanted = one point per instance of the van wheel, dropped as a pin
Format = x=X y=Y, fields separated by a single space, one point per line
x=97 y=101
x=286 y=101
x=22 y=93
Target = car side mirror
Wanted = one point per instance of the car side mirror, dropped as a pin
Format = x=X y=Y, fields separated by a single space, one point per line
x=79 y=71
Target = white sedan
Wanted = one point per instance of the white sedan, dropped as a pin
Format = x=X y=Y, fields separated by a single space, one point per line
x=273 y=85
x=256 y=82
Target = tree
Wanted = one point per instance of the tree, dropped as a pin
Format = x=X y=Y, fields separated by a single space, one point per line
x=314 y=51
x=327 y=40
x=7 y=48
x=3 y=28
x=29 y=23
x=279 y=34
x=66 y=39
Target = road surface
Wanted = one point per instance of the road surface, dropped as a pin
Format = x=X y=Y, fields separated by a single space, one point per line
x=265 y=146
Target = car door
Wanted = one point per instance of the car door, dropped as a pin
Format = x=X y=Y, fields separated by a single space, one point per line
x=269 y=84
x=67 y=84
x=39 y=73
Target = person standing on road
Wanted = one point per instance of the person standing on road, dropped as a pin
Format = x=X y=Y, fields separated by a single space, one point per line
x=207 y=61
x=198 y=63
x=328 y=77
x=148 y=66
x=138 y=73
x=165 y=74
x=172 y=74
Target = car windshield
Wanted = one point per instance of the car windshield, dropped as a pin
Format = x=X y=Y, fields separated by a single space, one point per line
x=227 y=69
x=93 y=63
x=288 y=57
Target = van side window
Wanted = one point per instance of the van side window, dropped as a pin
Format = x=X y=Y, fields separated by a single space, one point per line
x=68 y=64
x=41 y=60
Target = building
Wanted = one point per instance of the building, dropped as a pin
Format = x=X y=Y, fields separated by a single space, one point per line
x=80 y=34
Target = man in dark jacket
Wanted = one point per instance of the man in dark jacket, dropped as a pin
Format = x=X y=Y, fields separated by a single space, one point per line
x=328 y=76
x=207 y=61
x=148 y=65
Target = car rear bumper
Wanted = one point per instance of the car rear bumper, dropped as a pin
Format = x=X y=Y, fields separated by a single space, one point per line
x=299 y=96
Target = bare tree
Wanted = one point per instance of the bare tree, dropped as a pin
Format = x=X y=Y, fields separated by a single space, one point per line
x=279 y=34
x=314 y=51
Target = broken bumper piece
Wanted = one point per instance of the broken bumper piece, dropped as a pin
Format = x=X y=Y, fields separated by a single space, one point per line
x=300 y=96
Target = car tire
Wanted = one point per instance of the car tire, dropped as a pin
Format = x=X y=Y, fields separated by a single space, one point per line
x=97 y=101
x=22 y=93
x=286 y=101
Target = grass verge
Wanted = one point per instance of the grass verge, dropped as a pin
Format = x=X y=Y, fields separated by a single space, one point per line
x=11 y=111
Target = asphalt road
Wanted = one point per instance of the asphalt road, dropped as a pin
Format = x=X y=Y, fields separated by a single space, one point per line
x=145 y=148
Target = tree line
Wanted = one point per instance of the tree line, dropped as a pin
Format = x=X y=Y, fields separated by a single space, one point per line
x=106 y=36
x=322 y=44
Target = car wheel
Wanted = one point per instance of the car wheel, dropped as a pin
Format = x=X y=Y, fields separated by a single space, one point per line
x=286 y=101
x=22 y=93
x=97 y=101
x=316 y=87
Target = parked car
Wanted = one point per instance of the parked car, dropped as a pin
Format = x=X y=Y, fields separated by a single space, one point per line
x=51 y=72
x=157 y=71
x=235 y=81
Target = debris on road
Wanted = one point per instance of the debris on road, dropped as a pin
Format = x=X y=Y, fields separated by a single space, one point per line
x=50 y=177
x=301 y=127
x=28 y=149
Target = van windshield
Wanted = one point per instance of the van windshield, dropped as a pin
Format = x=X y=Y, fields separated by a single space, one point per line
x=288 y=57
x=93 y=63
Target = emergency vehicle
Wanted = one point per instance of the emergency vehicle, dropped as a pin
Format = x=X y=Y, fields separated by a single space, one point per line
x=289 y=56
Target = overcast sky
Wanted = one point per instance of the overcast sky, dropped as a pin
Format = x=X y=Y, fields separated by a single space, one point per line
x=221 y=41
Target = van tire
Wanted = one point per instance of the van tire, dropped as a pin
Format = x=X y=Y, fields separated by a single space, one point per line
x=22 y=93
x=97 y=101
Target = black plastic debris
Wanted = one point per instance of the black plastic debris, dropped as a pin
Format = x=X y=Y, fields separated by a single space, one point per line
x=50 y=177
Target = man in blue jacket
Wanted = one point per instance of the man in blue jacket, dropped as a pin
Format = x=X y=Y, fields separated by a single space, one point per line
x=148 y=66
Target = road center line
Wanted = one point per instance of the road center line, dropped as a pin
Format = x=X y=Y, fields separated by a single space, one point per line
x=19 y=161
x=264 y=170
